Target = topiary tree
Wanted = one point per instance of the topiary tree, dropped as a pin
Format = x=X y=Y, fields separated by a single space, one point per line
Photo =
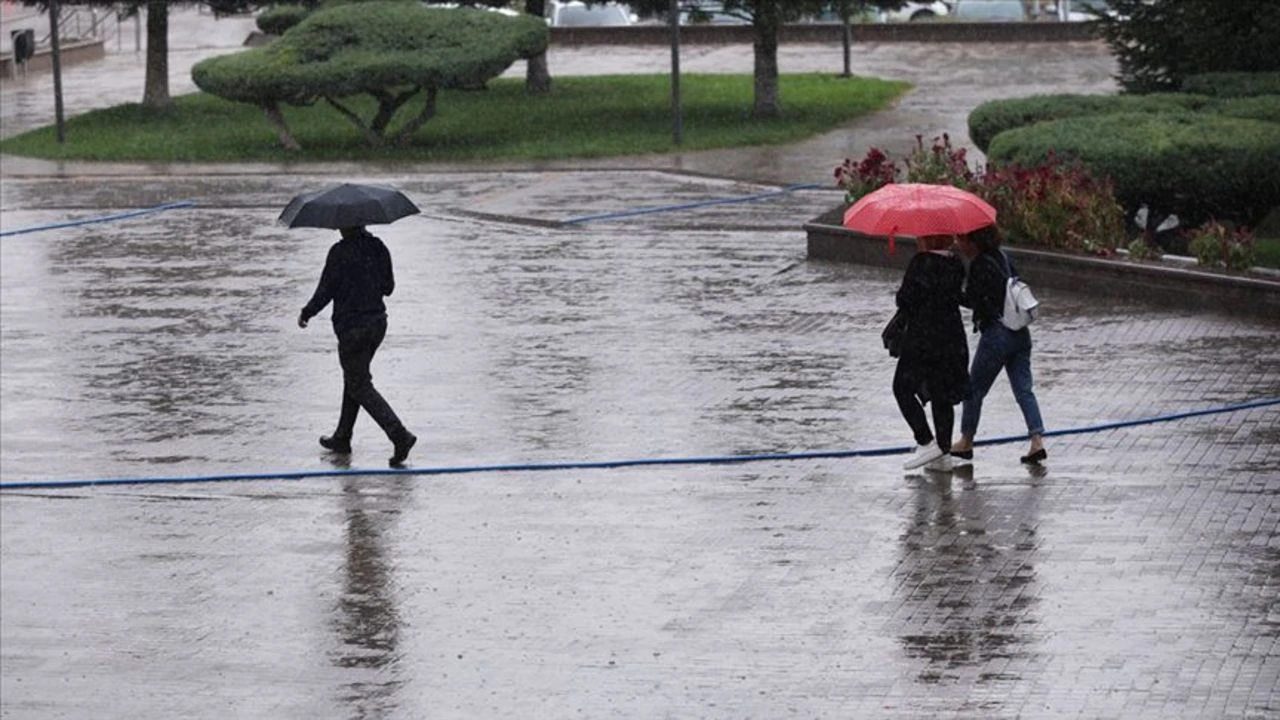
x=1157 y=44
x=391 y=50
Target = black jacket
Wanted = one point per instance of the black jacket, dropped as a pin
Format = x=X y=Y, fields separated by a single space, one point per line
x=984 y=290
x=357 y=274
x=935 y=352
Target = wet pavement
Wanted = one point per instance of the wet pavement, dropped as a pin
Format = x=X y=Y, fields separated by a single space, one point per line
x=1135 y=576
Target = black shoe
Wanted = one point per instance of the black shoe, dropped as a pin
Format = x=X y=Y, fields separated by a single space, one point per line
x=338 y=445
x=962 y=454
x=1035 y=457
x=404 y=443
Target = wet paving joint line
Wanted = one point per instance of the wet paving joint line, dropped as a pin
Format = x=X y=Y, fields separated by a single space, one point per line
x=498 y=218
x=105 y=218
x=614 y=464
x=756 y=197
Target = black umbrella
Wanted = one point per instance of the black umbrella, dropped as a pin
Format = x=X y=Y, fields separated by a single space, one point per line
x=347 y=205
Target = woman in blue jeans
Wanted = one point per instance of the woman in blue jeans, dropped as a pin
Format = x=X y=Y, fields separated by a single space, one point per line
x=999 y=348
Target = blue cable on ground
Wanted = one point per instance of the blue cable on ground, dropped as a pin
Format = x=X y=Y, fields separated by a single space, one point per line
x=611 y=464
x=689 y=206
x=105 y=218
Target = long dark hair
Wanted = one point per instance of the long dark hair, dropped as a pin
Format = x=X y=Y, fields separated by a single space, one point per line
x=986 y=238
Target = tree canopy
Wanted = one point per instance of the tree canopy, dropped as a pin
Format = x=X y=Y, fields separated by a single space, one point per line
x=1159 y=44
x=391 y=50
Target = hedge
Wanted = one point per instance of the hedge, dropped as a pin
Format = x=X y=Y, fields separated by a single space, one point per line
x=1196 y=165
x=994 y=117
x=276 y=19
x=1233 y=84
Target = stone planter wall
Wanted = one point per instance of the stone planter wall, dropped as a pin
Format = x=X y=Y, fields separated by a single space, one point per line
x=72 y=52
x=1158 y=283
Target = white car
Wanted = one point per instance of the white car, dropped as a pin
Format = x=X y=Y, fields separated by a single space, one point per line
x=579 y=14
x=1001 y=10
x=915 y=11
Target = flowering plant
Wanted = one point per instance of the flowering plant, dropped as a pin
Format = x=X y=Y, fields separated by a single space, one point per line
x=940 y=164
x=1216 y=245
x=1055 y=205
x=870 y=174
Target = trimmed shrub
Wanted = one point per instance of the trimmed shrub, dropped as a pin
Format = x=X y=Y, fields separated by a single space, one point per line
x=1233 y=84
x=1195 y=165
x=389 y=49
x=1262 y=107
x=994 y=117
x=277 y=19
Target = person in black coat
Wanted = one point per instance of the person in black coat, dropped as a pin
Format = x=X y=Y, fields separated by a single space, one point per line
x=933 y=365
x=356 y=276
x=999 y=348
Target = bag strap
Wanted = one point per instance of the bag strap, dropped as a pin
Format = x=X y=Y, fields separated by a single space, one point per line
x=1005 y=269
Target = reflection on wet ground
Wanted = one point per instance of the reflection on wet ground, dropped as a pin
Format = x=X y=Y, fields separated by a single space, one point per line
x=1135 y=577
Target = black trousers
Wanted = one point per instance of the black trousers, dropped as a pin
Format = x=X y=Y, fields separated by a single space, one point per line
x=906 y=386
x=356 y=347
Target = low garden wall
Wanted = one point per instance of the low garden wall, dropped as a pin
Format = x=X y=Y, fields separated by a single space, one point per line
x=831 y=33
x=1160 y=283
x=71 y=51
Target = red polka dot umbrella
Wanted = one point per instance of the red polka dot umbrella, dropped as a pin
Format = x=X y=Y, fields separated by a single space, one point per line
x=917 y=210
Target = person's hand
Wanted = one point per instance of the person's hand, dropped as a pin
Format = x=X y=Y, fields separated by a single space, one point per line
x=302 y=321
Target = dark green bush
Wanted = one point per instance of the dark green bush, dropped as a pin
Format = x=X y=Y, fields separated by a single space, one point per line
x=1233 y=84
x=1159 y=44
x=1196 y=165
x=994 y=117
x=276 y=19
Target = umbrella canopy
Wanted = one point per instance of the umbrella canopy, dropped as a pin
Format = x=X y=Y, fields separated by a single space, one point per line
x=347 y=205
x=917 y=209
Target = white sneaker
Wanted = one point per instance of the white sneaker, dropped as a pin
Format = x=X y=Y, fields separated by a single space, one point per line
x=942 y=464
x=923 y=455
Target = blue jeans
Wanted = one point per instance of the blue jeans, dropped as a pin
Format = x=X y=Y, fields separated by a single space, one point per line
x=1000 y=348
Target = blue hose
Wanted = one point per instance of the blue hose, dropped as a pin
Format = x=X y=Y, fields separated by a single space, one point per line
x=689 y=206
x=104 y=218
x=610 y=464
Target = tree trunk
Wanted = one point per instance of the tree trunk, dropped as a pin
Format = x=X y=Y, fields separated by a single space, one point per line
x=767 y=102
x=428 y=111
x=156 y=91
x=537 y=77
x=272 y=111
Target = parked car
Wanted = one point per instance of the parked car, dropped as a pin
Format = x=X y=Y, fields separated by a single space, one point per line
x=707 y=13
x=579 y=14
x=914 y=12
x=1001 y=10
x=1086 y=10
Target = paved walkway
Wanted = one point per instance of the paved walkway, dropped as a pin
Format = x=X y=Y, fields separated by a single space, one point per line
x=1134 y=576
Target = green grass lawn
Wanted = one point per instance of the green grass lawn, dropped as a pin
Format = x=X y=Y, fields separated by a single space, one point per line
x=592 y=116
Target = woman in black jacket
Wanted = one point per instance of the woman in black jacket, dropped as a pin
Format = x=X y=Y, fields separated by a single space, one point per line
x=934 y=360
x=999 y=348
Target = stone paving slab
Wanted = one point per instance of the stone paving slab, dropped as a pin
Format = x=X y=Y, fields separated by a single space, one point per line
x=1134 y=578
